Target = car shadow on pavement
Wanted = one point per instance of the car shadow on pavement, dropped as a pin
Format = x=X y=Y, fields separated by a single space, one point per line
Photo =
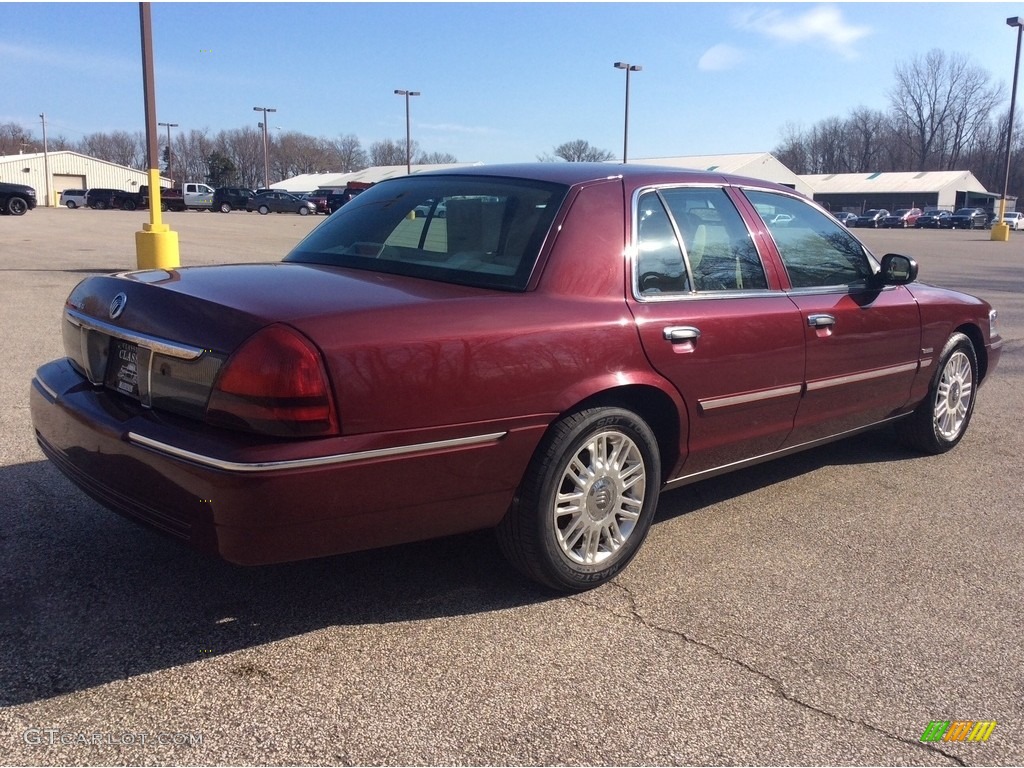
x=87 y=597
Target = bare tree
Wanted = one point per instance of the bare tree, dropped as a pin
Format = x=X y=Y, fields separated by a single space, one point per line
x=348 y=154
x=435 y=158
x=120 y=147
x=578 y=151
x=15 y=138
x=389 y=152
x=938 y=103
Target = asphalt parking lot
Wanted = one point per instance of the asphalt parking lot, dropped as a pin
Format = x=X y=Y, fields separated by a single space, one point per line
x=819 y=609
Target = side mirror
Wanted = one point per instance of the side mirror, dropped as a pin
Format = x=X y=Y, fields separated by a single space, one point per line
x=897 y=270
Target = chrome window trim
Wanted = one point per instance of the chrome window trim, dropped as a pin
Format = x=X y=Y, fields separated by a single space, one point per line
x=313 y=461
x=693 y=294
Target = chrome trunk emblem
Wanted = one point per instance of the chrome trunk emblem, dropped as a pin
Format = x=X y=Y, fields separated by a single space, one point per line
x=117 y=305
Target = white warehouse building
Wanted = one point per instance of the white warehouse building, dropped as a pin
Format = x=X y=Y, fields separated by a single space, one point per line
x=69 y=170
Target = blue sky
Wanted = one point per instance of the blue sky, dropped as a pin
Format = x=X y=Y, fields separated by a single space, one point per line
x=500 y=82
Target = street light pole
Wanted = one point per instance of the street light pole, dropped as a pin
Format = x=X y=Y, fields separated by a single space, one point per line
x=625 y=130
x=408 y=132
x=1001 y=230
x=168 y=126
x=46 y=161
x=266 y=161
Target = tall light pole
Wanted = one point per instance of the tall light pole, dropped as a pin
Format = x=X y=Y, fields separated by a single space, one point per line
x=46 y=159
x=408 y=132
x=1001 y=230
x=625 y=130
x=168 y=126
x=266 y=161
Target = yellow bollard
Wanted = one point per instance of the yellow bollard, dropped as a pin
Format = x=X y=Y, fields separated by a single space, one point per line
x=156 y=246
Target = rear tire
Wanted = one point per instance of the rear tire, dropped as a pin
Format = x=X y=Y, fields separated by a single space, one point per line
x=129 y=205
x=71 y=204
x=586 y=501
x=940 y=421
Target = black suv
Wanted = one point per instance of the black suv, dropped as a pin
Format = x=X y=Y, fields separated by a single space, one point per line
x=338 y=197
x=15 y=199
x=227 y=199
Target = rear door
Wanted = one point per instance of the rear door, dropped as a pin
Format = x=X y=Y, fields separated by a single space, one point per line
x=715 y=323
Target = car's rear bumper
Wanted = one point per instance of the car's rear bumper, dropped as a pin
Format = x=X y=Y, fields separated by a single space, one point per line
x=253 y=503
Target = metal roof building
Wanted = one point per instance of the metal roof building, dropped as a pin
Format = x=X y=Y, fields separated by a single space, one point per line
x=928 y=189
x=757 y=165
x=69 y=170
x=310 y=182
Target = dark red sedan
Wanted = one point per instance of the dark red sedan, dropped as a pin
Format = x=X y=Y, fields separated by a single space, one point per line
x=540 y=349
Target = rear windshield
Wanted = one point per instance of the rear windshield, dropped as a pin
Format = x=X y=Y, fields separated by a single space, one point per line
x=470 y=230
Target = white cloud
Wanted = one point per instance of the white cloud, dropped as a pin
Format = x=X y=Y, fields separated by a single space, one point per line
x=720 y=57
x=823 y=24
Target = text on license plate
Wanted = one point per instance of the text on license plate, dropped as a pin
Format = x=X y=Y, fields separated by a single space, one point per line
x=122 y=367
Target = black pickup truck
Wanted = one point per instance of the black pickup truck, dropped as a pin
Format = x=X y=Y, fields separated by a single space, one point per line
x=103 y=197
x=15 y=199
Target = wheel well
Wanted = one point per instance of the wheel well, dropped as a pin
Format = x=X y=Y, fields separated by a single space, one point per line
x=650 y=404
x=978 y=340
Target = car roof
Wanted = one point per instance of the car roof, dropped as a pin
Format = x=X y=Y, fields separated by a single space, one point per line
x=572 y=174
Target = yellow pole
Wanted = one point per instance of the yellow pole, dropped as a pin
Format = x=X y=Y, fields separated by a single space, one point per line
x=156 y=246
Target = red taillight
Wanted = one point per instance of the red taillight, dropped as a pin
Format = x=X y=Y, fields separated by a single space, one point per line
x=275 y=383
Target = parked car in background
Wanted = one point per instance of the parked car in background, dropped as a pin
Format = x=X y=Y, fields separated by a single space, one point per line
x=338 y=197
x=1014 y=219
x=931 y=219
x=73 y=198
x=16 y=199
x=280 y=202
x=871 y=218
x=543 y=360
x=847 y=218
x=903 y=218
x=967 y=218
x=319 y=200
x=227 y=199
x=102 y=198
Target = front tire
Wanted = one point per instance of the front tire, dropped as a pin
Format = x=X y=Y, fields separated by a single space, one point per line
x=225 y=207
x=303 y=211
x=586 y=502
x=264 y=210
x=941 y=419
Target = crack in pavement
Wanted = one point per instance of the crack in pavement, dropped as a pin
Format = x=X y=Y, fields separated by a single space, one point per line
x=776 y=684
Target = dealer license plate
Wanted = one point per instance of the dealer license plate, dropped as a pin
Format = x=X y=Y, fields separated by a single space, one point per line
x=123 y=367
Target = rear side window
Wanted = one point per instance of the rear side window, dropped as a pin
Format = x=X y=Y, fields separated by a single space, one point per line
x=693 y=239
x=816 y=251
x=471 y=230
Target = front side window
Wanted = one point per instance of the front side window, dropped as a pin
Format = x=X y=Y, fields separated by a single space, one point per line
x=816 y=251
x=471 y=230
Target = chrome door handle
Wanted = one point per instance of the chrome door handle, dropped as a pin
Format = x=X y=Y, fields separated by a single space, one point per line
x=821 y=321
x=680 y=333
